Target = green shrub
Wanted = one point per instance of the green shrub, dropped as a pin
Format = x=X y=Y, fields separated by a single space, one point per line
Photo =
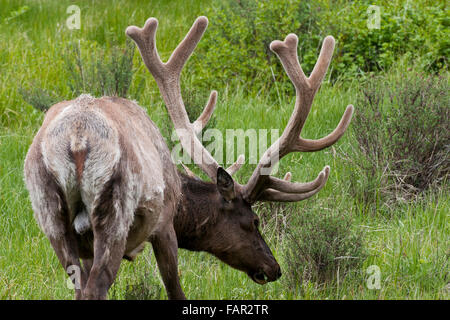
x=235 y=48
x=92 y=70
x=38 y=98
x=402 y=130
x=146 y=286
x=418 y=29
x=98 y=71
x=147 y=289
x=274 y=218
x=322 y=245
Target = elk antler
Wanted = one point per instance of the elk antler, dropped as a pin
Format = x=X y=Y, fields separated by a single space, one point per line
x=167 y=76
x=262 y=186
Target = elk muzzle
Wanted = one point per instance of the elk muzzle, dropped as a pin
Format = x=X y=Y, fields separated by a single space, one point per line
x=267 y=273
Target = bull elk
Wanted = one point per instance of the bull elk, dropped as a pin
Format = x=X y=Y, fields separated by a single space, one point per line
x=102 y=182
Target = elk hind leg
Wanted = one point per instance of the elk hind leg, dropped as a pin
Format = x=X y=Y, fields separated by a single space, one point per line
x=52 y=213
x=111 y=219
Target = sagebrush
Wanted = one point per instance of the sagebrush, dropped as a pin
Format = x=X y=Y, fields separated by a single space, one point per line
x=402 y=134
x=324 y=246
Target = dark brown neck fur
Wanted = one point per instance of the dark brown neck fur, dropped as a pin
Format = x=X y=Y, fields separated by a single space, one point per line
x=196 y=214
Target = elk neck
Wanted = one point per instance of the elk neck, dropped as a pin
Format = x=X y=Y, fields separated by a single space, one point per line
x=197 y=214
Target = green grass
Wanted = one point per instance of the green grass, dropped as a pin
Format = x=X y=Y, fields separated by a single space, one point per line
x=410 y=245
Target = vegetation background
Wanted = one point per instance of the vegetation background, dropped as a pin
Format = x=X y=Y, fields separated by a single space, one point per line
x=386 y=202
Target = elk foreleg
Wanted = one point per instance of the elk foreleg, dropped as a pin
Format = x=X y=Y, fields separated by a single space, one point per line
x=165 y=246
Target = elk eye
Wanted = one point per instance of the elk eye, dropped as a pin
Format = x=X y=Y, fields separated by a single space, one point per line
x=256 y=223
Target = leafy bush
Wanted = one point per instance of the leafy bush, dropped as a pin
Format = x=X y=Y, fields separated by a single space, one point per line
x=402 y=130
x=322 y=244
x=235 y=49
x=414 y=28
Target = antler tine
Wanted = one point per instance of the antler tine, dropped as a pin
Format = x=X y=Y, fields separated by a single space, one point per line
x=321 y=66
x=231 y=169
x=308 y=145
x=184 y=50
x=287 y=176
x=189 y=171
x=167 y=76
x=295 y=187
x=237 y=165
x=203 y=119
x=145 y=40
x=260 y=185
x=278 y=196
x=287 y=52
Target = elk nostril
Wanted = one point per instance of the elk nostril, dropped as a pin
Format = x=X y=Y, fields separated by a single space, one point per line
x=279 y=273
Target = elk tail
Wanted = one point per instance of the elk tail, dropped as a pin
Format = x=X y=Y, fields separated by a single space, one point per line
x=79 y=149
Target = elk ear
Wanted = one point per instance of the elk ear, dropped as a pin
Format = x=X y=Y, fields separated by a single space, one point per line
x=225 y=184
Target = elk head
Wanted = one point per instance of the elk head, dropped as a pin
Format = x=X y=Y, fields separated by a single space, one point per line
x=214 y=217
x=219 y=214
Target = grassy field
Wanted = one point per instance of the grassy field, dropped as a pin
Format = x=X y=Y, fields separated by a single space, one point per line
x=409 y=242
